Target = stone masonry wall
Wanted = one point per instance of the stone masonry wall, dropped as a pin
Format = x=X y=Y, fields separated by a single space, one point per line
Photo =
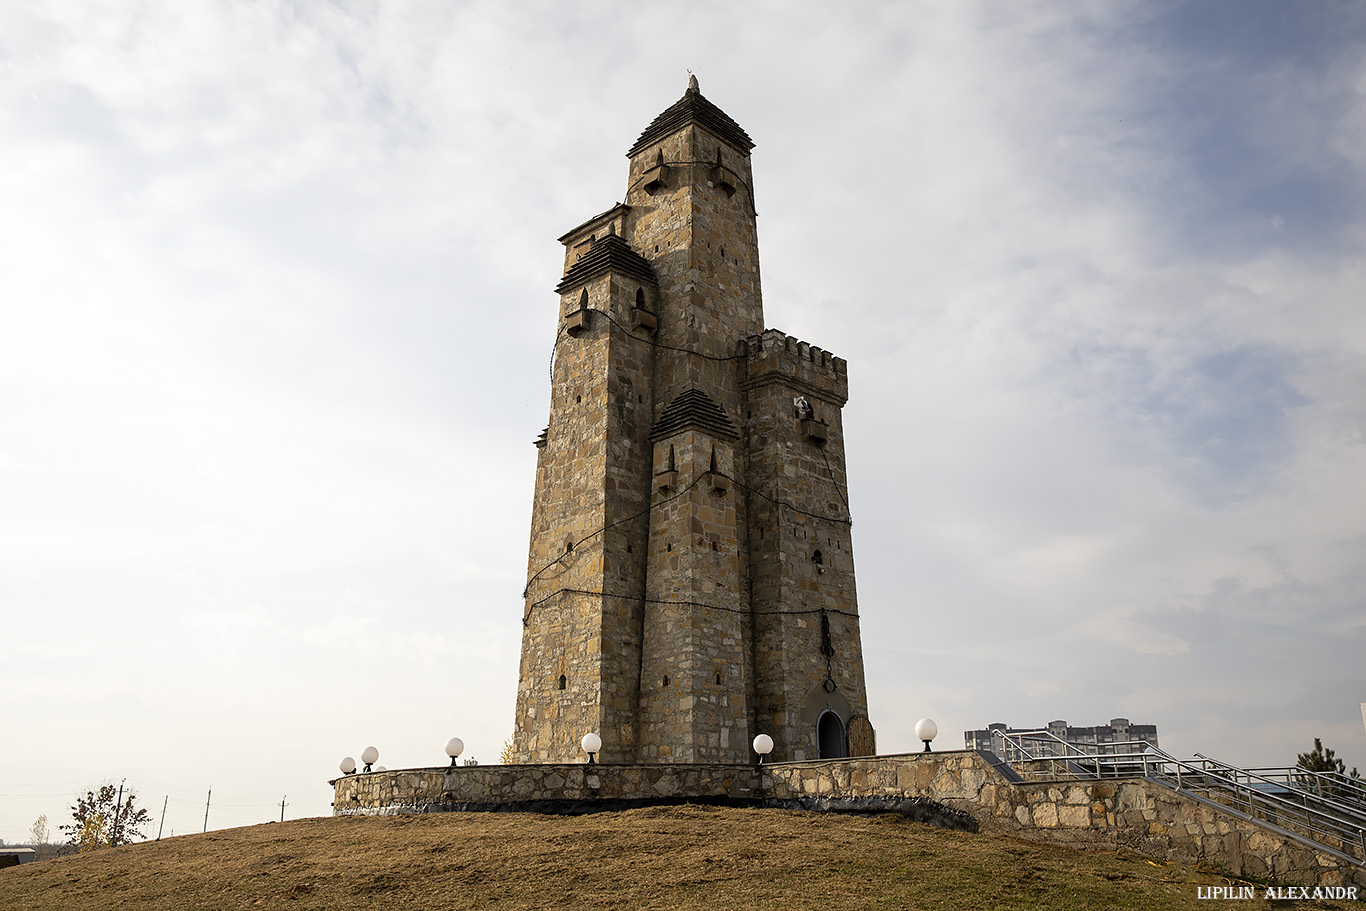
x=695 y=667
x=582 y=620
x=701 y=240
x=1126 y=813
x=808 y=649
x=561 y=632
x=1132 y=813
x=642 y=602
x=432 y=790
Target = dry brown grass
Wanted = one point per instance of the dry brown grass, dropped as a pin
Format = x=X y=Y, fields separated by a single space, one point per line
x=677 y=858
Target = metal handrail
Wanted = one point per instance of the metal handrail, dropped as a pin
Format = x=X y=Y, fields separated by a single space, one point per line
x=1321 y=819
x=1069 y=748
x=1292 y=780
x=1331 y=785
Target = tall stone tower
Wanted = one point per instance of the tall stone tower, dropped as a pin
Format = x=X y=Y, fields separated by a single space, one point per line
x=691 y=577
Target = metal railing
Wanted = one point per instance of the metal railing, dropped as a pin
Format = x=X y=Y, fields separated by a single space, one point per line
x=1348 y=792
x=1326 y=809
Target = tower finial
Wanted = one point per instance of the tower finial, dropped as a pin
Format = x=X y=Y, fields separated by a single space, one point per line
x=692 y=82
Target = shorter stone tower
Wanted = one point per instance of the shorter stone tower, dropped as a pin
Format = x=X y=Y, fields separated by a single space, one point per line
x=690 y=582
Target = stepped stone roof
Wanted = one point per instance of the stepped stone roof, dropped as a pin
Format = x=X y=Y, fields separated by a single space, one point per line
x=694 y=409
x=609 y=253
x=693 y=108
x=619 y=209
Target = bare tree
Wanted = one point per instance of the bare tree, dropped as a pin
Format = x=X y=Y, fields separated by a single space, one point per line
x=38 y=833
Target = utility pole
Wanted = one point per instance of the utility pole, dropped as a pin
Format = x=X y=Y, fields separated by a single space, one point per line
x=282 y=808
x=206 y=809
x=162 y=825
x=118 y=805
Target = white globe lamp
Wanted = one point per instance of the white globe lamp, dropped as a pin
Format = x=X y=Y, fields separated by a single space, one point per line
x=369 y=756
x=347 y=766
x=763 y=745
x=926 y=730
x=454 y=747
x=592 y=745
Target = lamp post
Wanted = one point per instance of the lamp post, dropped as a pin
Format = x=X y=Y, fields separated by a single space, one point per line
x=926 y=730
x=591 y=744
x=369 y=756
x=347 y=766
x=763 y=745
x=454 y=747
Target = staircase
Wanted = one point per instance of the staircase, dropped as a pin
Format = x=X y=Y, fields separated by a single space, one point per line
x=1327 y=810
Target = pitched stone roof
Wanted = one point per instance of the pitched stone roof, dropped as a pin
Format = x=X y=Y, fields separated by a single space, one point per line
x=694 y=409
x=693 y=108
x=619 y=209
x=609 y=253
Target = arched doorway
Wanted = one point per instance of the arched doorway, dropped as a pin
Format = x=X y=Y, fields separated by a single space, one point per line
x=830 y=738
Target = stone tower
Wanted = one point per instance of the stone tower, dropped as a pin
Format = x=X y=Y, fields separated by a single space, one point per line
x=691 y=577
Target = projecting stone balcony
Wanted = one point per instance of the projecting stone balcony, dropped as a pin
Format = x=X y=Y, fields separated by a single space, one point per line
x=576 y=323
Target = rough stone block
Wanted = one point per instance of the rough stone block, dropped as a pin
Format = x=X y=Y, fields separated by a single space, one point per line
x=1074 y=816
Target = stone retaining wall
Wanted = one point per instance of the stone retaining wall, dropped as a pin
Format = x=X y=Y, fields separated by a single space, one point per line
x=489 y=787
x=1133 y=813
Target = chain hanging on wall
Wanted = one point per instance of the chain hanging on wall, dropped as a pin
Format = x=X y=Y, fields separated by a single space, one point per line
x=828 y=650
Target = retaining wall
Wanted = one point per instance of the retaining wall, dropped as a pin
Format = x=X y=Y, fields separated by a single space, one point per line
x=1134 y=813
x=540 y=787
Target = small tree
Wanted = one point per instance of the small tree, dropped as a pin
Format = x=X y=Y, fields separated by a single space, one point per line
x=506 y=755
x=1322 y=760
x=100 y=819
x=38 y=833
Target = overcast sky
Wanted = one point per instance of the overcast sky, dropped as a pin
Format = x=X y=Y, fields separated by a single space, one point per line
x=276 y=312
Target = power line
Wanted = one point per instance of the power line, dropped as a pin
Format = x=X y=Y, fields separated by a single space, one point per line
x=604 y=529
x=716 y=607
x=657 y=344
x=842 y=520
x=835 y=484
x=847 y=519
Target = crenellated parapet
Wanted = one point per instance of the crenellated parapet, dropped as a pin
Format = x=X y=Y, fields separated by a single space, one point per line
x=776 y=357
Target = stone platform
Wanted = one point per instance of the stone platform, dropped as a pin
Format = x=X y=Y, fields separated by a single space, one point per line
x=962 y=789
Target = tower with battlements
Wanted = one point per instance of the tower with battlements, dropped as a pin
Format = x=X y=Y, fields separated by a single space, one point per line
x=690 y=582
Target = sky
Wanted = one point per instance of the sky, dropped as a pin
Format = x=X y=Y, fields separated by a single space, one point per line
x=276 y=312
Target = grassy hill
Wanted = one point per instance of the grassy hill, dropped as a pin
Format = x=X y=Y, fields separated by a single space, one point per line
x=677 y=858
